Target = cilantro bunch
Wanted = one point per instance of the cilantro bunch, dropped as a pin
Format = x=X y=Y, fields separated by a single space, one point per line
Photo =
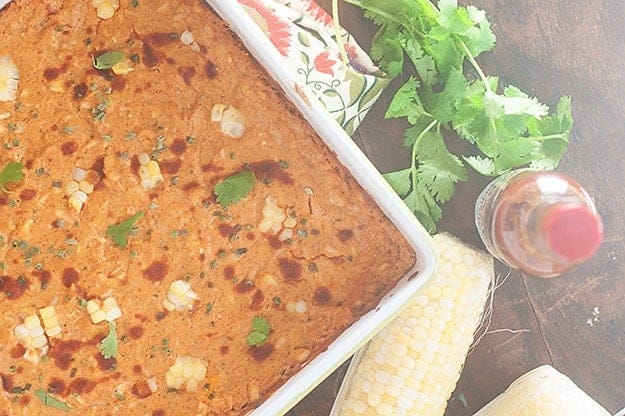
x=508 y=128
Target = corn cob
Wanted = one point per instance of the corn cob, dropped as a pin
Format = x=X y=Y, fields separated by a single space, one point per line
x=413 y=365
x=9 y=79
x=187 y=370
x=543 y=392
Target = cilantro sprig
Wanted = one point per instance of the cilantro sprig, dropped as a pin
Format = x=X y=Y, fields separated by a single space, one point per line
x=119 y=232
x=50 y=401
x=12 y=172
x=234 y=188
x=260 y=331
x=508 y=128
x=108 y=345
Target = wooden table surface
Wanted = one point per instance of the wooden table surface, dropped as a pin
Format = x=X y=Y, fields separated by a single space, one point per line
x=548 y=48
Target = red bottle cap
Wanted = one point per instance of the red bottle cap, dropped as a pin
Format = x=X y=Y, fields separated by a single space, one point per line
x=573 y=231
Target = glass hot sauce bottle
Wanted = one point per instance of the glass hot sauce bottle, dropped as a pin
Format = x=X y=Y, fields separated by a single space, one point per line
x=542 y=223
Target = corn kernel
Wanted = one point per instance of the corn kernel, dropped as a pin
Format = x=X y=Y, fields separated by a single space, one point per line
x=98 y=316
x=186 y=370
x=105 y=11
x=92 y=306
x=153 y=168
x=75 y=204
x=230 y=120
x=9 y=79
x=32 y=321
x=85 y=186
x=57 y=86
x=32 y=355
x=71 y=187
x=179 y=297
x=143 y=158
x=106 y=310
x=122 y=68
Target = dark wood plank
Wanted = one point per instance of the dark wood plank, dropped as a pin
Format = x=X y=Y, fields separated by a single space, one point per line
x=547 y=48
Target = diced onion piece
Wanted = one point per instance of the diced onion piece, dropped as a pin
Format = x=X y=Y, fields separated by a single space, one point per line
x=9 y=79
x=186 y=37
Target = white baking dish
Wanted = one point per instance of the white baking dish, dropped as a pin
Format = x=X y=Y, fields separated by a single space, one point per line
x=370 y=179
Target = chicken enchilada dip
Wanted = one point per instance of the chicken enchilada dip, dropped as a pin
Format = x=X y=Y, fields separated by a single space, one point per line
x=174 y=238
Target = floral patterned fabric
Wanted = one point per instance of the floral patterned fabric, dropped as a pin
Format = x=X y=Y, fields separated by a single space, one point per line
x=304 y=35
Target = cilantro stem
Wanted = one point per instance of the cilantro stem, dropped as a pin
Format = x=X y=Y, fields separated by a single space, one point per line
x=475 y=65
x=551 y=136
x=337 y=31
x=413 y=162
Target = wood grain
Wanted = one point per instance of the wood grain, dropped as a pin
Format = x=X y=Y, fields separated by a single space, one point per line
x=547 y=48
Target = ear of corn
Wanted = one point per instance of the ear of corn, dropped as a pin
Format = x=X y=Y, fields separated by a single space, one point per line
x=543 y=392
x=413 y=365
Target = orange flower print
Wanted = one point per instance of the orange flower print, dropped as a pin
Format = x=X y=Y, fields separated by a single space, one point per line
x=318 y=13
x=324 y=64
x=276 y=28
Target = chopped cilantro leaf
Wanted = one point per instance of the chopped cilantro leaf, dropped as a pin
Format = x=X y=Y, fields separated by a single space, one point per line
x=50 y=401
x=234 y=188
x=108 y=346
x=12 y=172
x=260 y=331
x=119 y=232
x=107 y=59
